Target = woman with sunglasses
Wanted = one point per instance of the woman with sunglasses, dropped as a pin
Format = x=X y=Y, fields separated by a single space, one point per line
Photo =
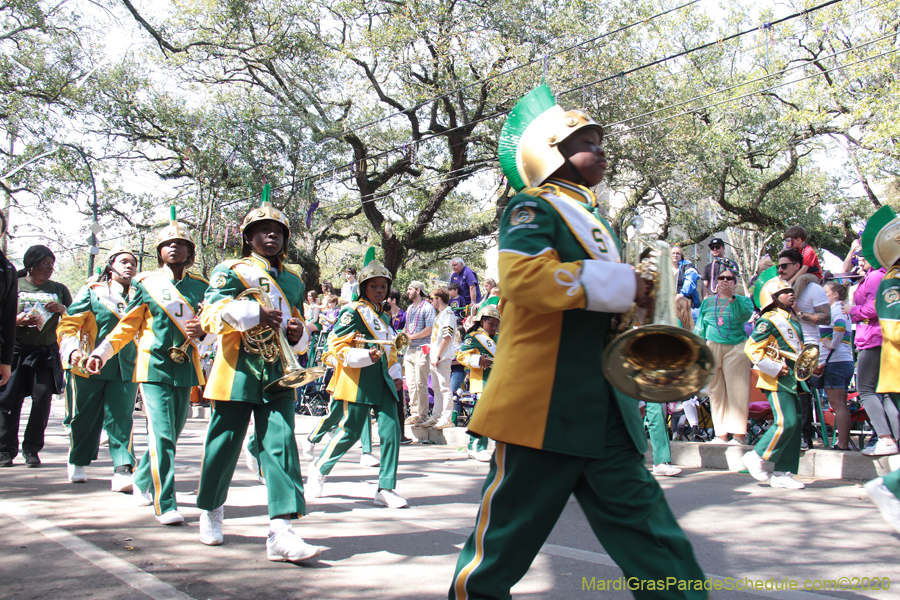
x=721 y=324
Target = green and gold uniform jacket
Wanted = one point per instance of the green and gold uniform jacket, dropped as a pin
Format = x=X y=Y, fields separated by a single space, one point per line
x=887 y=305
x=474 y=346
x=95 y=311
x=237 y=374
x=778 y=326
x=356 y=377
x=156 y=332
x=562 y=281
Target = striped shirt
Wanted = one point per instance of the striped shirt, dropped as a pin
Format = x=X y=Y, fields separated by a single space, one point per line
x=417 y=319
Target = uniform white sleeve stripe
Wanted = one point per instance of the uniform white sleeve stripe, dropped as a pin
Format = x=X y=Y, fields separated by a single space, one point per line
x=769 y=367
x=358 y=358
x=520 y=253
x=241 y=315
x=608 y=287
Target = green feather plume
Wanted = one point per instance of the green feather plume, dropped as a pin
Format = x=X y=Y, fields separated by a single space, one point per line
x=172 y=213
x=530 y=107
x=370 y=255
x=267 y=190
x=876 y=223
x=762 y=280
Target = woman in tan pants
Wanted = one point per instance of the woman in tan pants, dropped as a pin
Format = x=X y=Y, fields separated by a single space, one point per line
x=721 y=324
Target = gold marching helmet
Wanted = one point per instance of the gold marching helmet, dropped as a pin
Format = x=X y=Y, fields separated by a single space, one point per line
x=372 y=270
x=489 y=310
x=529 y=141
x=265 y=212
x=115 y=251
x=174 y=231
x=767 y=287
x=880 y=240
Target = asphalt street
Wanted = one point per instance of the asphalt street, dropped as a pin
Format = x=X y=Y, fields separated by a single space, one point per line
x=66 y=540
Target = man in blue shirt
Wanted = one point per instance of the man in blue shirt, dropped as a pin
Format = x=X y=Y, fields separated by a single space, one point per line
x=467 y=280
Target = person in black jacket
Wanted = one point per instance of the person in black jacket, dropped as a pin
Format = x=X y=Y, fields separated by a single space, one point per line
x=9 y=289
x=36 y=369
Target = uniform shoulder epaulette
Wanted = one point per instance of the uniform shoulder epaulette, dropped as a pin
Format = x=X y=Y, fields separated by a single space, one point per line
x=291 y=270
x=230 y=264
x=893 y=273
x=145 y=274
x=541 y=190
x=198 y=277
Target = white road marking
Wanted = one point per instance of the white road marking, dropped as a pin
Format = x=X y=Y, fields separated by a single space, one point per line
x=122 y=569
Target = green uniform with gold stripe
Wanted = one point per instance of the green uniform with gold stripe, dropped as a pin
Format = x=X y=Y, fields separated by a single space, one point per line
x=359 y=390
x=236 y=389
x=469 y=353
x=165 y=385
x=887 y=305
x=560 y=428
x=105 y=400
x=781 y=442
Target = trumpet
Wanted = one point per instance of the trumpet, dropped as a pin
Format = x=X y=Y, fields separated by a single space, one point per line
x=179 y=355
x=272 y=345
x=805 y=362
x=658 y=362
x=400 y=342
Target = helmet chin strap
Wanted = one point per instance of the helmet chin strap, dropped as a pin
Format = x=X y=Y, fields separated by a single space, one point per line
x=579 y=178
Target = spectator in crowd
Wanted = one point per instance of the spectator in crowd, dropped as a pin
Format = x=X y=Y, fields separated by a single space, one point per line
x=456 y=301
x=711 y=270
x=489 y=285
x=311 y=310
x=764 y=263
x=809 y=271
x=851 y=263
x=398 y=315
x=467 y=280
x=350 y=289
x=812 y=309
x=835 y=344
x=327 y=289
x=442 y=353
x=419 y=322
x=687 y=277
x=691 y=405
x=721 y=324
x=9 y=289
x=329 y=315
x=881 y=409
x=36 y=369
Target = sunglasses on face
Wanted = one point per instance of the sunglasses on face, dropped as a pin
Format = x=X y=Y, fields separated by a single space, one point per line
x=785 y=265
x=715 y=247
x=726 y=278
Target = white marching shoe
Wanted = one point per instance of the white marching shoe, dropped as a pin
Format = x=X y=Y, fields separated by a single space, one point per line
x=785 y=480
x=249 y=459
x=211 y=526
x=888 y=504
x=170 y=517
x=754 y=464
x=315 y=483
x=368 y=460
x=390 y=499
x=480 y=455
x=77 y=474
x=287 y=546
x=141 y=498
x=308 y=450
x=122 y=482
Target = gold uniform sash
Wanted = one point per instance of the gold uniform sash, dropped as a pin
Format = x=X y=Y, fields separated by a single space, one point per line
x=252 y=275
x=590 y=232
x=111 y=299
x=167 y=296
x=787 y=331
x=486 y=342
x=375 y=325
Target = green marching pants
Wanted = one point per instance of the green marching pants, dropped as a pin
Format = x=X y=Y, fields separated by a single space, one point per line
x=331 y=420
x=278 y=457
x=166 y=407
x=659 y=433
x=353 y=416
x=781 y=442
x=526 y=491
x=67 y=419
x=99 y=404
x=478 y=442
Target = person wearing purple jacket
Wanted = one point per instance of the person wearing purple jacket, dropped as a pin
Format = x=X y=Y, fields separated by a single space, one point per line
x=881 y=410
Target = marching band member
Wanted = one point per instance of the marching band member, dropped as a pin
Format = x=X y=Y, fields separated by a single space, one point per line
x=365 y=379
x=560 y=428
x=162 y=315
x=238 y=380
x=777 y=324
x=880 y=247
x=97 y=309
x=477 y=352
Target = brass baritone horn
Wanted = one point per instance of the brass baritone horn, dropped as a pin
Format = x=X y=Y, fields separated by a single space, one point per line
x=805 y=362
x=272 y=345
x=83 y=354
x=179 y=355
x=658 y=362
x=400 y=342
